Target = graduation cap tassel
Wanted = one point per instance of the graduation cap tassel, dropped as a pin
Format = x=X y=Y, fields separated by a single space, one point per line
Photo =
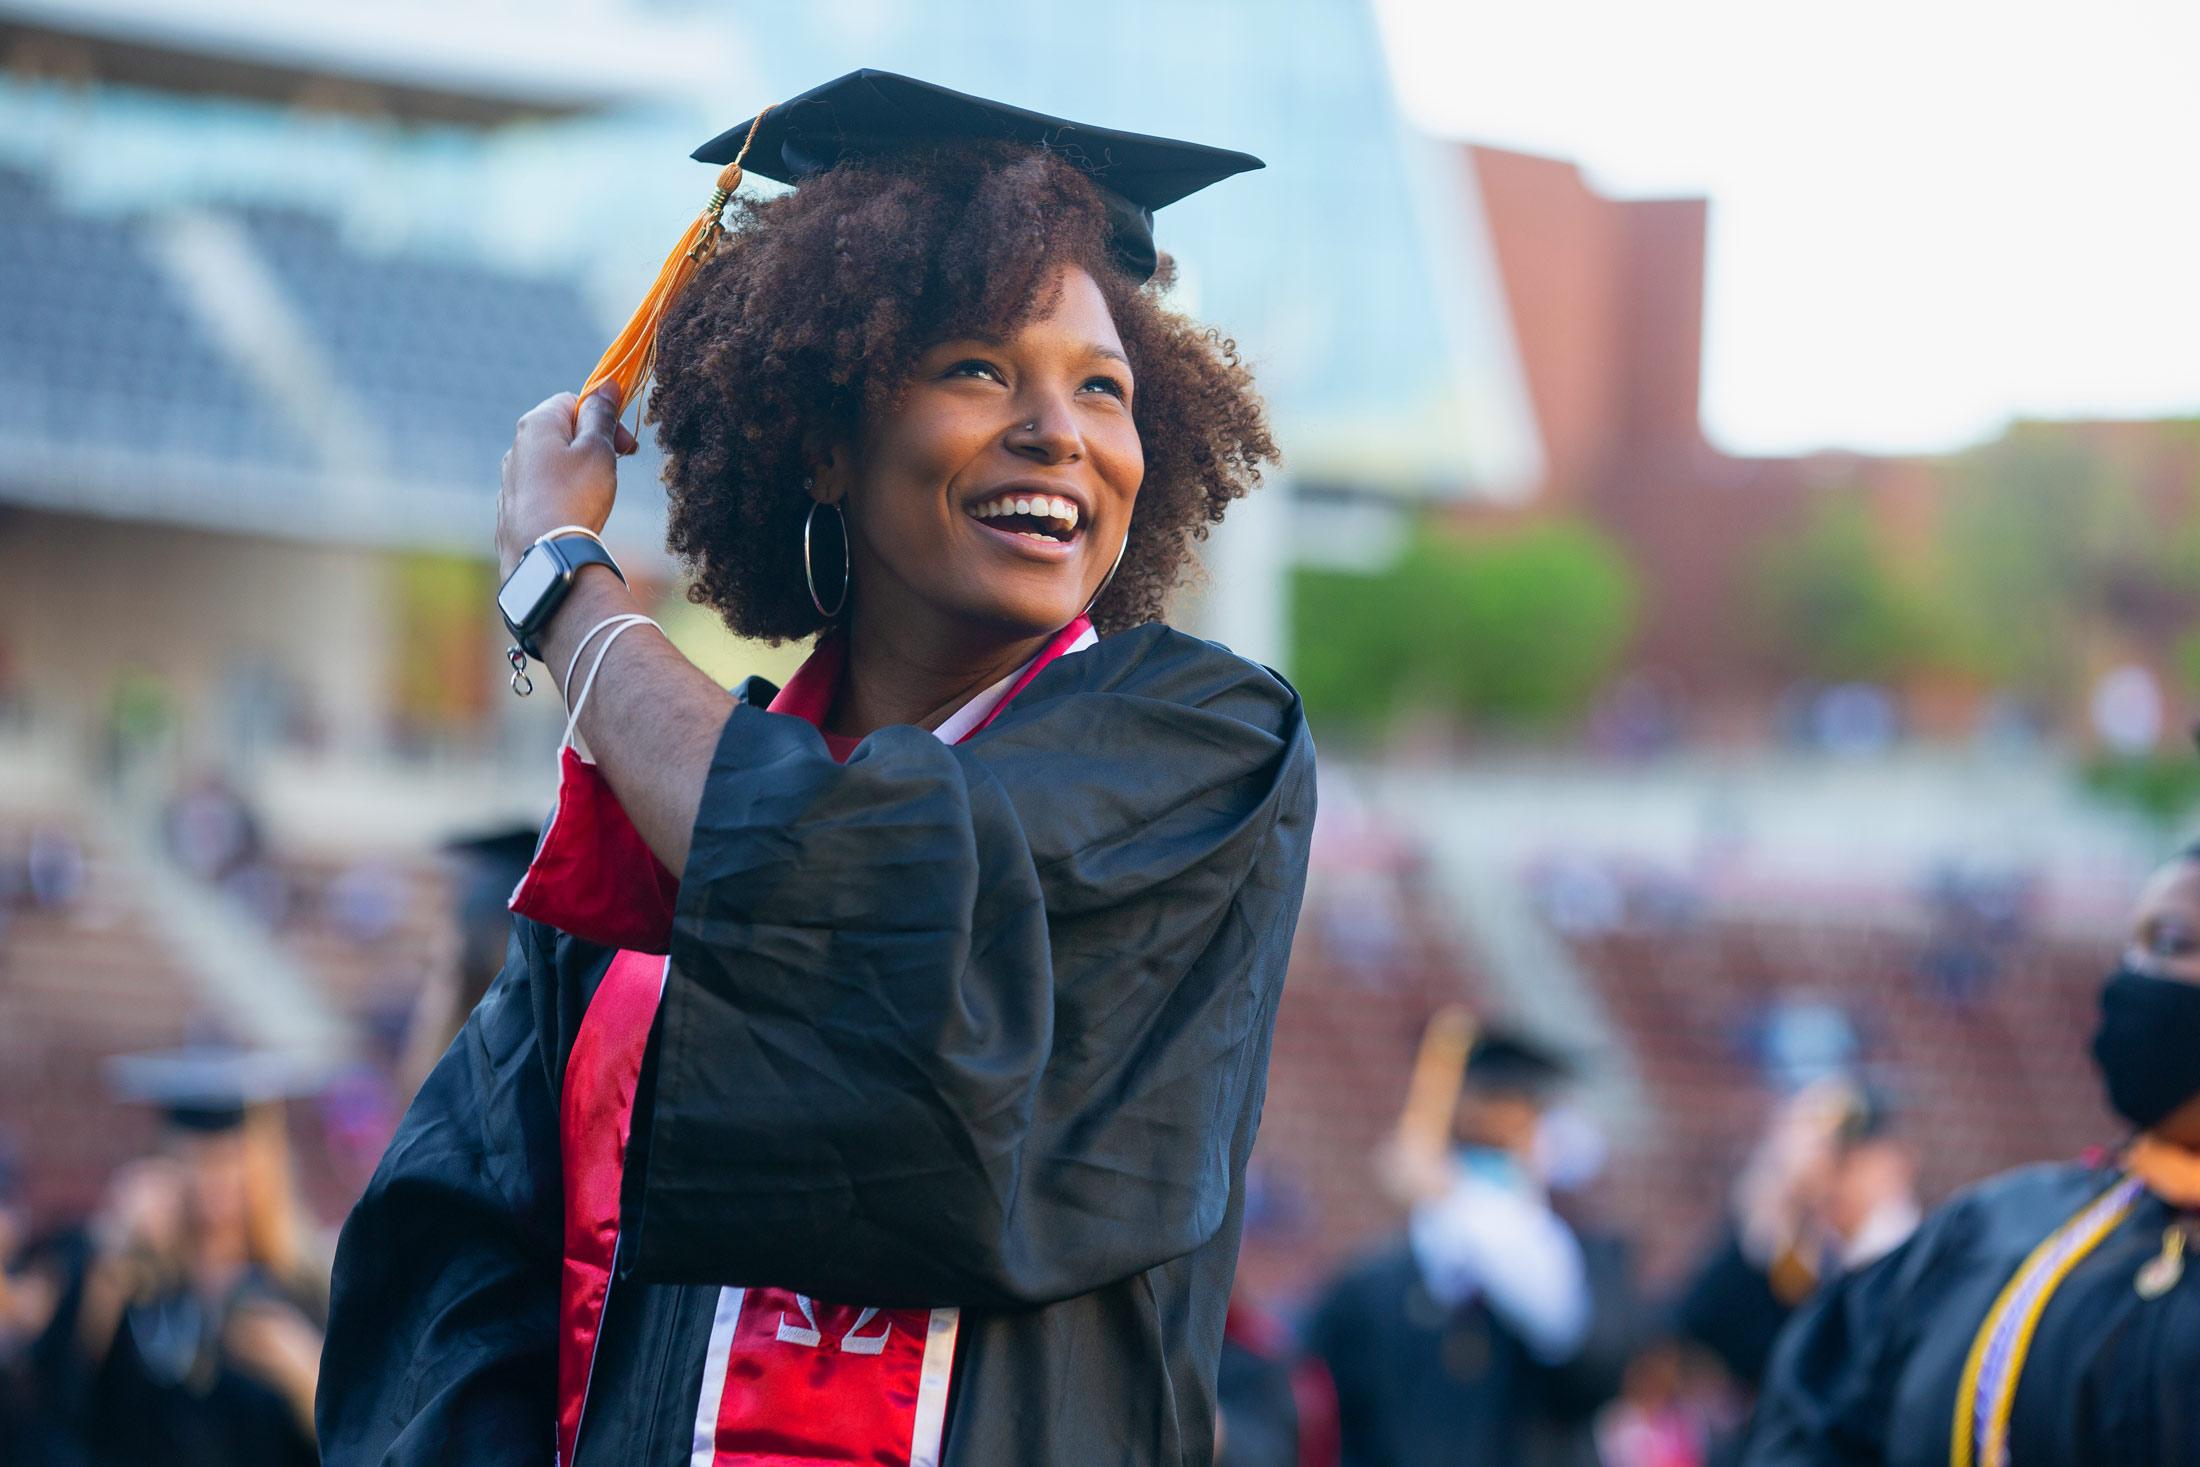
x=628 y=361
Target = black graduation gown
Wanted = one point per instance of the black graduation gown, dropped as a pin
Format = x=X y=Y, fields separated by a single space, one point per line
x=1422 y=1386
x=983 y=1025
x=1260 y=1411
x=1868 y=1373
x=1731 y=1309
x=164 y=1391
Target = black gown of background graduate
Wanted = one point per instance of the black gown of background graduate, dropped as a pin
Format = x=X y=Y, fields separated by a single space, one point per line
x=164 y=1389
x=1870 y=1371
x=982 y=1025
x=1420 y=1385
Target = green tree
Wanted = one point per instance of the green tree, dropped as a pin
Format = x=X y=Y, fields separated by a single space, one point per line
x=2023 y=535
x=1515 y=629
x=1826 y=595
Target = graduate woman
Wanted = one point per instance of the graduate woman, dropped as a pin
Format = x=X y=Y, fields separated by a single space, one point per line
x=873 y=1077
x=2049 y=1317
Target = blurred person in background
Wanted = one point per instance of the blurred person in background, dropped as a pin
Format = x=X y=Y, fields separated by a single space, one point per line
x=1663 y=1417
x=55 y=869
x=1830 y=1187
x=1256 y=1407
x=33 y=1275
x=488 y=869
x=186 y=1327
x=872 y=1078
x=210 y=831
x=2046 y=1317
x=1494 y=1331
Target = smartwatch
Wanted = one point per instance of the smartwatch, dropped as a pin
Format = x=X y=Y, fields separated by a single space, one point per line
x=539 y=584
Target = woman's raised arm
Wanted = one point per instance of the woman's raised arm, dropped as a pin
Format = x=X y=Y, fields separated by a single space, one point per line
x=653 y=716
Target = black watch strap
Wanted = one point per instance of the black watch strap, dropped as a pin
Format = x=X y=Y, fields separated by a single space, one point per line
x=572 y=550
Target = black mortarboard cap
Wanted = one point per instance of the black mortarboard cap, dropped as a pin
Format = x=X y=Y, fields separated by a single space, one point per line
x=1508 y=1060
x=871 y=113
x=203 y=1088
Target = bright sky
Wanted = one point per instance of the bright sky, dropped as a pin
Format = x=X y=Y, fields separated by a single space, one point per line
x=1928 y=216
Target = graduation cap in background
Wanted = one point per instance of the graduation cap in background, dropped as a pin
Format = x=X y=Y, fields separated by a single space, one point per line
x=206 y=1087
x=490 y=864
x=1509 y=1062
x=866 y=114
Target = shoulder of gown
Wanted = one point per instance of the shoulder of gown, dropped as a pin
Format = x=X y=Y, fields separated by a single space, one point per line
x=1157 y=661
x=1830 y=1392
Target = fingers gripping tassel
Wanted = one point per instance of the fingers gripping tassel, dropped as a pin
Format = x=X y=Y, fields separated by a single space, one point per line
x=626 y=364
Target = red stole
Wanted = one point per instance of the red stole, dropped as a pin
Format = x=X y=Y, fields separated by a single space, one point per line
x=786 y=1379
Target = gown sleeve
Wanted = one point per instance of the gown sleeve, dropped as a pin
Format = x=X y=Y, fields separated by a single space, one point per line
x=443 y=1315
x=977 y=1024
x=1830 y=1388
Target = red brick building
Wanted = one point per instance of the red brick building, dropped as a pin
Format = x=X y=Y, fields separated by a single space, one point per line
x=1606 y=303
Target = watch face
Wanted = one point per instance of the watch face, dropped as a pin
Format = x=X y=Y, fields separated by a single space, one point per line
x=536 y=572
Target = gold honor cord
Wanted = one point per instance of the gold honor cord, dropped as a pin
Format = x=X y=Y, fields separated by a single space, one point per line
x=1988 y=1391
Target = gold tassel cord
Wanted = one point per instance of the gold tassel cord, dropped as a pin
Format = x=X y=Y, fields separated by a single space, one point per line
x=627 y=363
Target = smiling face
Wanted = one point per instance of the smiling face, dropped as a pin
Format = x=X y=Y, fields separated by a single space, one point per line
x=992 y=500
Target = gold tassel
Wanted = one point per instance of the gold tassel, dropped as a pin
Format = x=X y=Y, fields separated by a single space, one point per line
x=627 y=363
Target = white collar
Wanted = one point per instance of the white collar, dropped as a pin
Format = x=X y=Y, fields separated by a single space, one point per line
x=963 y=721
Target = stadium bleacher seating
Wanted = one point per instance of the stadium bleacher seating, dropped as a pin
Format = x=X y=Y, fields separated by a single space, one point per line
x=1980 y=1086
x=1346 y=1032
x=1994 y=1080
x=98 y=351
x=80 y=981
x=447 y=353
x=368 y=930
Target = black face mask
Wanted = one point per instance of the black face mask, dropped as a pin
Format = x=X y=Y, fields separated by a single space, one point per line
x=2148 y=1045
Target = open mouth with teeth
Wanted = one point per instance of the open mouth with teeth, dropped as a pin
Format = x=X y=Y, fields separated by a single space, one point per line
x=1036 y=516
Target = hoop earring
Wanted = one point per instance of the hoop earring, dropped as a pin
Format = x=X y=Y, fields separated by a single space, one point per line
x=809 y=571
x=1108 y=579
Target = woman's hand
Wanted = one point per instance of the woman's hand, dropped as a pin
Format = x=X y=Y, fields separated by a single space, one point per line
x=562 y=469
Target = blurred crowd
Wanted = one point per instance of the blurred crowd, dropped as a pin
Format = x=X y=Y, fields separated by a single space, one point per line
x=1505 y=1317
x=1505 y=1321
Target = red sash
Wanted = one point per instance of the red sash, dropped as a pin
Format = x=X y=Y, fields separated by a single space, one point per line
x=786 y=1379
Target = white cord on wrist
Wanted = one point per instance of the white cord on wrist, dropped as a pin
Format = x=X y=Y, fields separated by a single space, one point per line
x=618 y=626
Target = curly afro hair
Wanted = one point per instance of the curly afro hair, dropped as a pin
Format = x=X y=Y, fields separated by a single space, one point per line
x=812 y=312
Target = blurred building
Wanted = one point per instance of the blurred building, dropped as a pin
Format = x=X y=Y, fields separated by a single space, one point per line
x=279 y=279
x=256 y=369
x=1603 y=299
